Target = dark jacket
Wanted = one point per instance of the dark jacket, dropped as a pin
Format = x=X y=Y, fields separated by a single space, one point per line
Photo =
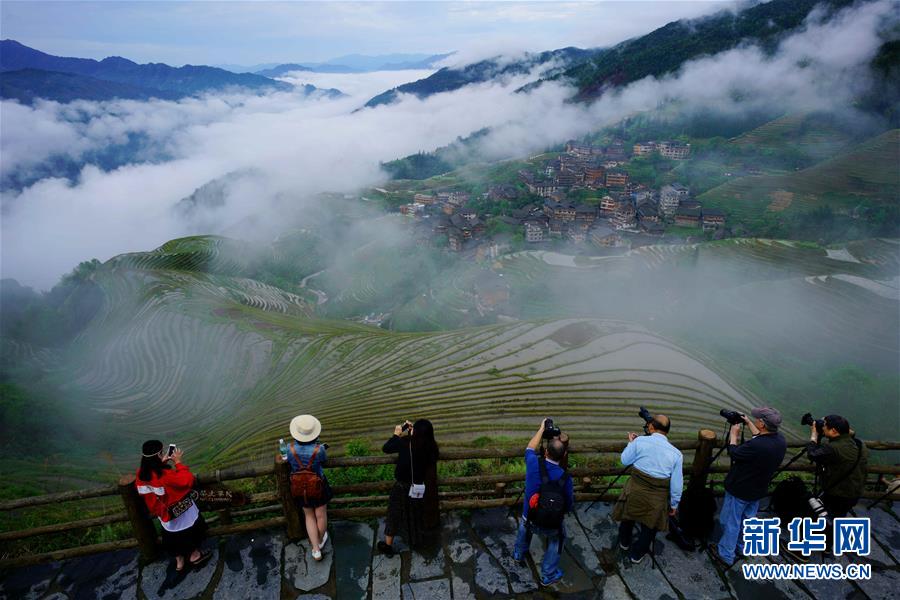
x=837 y=457
x=753 y=464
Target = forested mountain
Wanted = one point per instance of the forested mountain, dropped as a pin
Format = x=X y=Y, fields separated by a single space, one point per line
x=449 y=79
x=660 y=52
x=31 y=79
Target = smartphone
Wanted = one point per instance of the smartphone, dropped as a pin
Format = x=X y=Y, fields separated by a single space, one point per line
x=171 y=450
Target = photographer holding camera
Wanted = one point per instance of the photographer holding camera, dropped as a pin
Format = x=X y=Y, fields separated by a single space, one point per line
x=653 y=490
x=548 y=497
x=842 y=460
x=753 y=464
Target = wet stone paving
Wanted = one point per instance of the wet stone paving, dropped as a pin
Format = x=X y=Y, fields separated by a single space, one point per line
x=471 y=558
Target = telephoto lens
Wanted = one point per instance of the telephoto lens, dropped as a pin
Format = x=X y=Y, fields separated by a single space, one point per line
x=817 y=508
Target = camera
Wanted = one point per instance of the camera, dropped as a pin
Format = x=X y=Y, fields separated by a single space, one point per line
x=732 y=416
x=647 y=417
x=808 y=420
x=550 y=430
x=405 y=427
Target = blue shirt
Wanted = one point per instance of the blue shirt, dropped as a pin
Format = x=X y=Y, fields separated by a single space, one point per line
x=304 y=452
x=533 y=480
x=655 y=456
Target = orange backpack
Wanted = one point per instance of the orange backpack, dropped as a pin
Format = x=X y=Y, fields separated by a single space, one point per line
x=306 y=483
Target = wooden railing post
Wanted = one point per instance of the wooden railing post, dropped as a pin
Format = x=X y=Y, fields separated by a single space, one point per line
x=295 y=529
x=702 y=457
x=141 y=525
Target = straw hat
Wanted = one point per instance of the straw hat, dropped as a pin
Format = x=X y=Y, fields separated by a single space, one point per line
x=305 y=428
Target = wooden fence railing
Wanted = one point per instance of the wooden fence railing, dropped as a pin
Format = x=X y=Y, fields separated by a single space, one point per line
x=356 y=500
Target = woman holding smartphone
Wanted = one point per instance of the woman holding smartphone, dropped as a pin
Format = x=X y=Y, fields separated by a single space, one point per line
x=413 y=503
x=166 y=485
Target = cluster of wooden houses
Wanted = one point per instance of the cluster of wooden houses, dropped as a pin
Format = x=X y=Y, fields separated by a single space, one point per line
x=627 y=207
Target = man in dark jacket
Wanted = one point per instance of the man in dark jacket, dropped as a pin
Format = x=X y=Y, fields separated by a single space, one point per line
x=843 y=461
x=554 y=455
x=753 y=464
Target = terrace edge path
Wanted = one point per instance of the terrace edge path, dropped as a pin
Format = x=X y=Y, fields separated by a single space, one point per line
x=470 y=559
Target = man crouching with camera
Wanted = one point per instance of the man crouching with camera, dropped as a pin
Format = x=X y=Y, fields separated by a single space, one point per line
x=654 y=486
x=753 y=464
x=842 y=460
x=548 y=496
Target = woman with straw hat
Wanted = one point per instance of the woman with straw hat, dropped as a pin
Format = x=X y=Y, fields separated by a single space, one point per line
x=308 y=483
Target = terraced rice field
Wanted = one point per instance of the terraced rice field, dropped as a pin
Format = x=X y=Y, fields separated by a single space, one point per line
x=810 y=134
x=220 y=364
x=868 y=170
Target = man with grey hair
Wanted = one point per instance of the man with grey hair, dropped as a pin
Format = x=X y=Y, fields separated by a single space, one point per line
x=753 y=464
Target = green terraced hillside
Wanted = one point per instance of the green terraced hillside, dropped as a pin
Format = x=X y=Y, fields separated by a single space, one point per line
x=186 y=348
x=220 y=364
x=867 y=171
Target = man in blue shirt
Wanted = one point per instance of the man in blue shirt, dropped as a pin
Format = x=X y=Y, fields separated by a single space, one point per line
x=556 y=451
x=653 y=490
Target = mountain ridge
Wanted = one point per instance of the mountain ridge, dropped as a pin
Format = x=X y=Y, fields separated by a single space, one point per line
x=158 y=79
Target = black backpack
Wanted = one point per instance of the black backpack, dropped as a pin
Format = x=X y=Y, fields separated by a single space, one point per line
x=551 y=504
x=790 y=499
x=696 y=513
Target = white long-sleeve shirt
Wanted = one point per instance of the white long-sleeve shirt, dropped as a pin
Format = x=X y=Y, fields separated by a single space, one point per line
x=655 y=456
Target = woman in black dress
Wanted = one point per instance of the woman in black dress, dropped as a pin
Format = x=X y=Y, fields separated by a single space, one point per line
x=417 y=455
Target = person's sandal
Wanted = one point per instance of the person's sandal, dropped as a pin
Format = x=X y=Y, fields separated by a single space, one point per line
x=317 y=554
x=205 y=555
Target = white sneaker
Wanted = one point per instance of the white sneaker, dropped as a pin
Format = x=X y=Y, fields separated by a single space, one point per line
x=317 y=554
x=324 y=540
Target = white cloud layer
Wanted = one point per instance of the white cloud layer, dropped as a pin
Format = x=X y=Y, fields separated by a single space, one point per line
x=302 y=146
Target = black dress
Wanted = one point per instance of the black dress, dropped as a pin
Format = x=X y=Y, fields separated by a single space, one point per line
x=406 y=516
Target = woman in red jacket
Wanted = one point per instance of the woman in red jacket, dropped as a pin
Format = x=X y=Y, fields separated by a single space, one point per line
x=167 y=492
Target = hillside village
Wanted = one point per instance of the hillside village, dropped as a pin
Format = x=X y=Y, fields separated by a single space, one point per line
x=583 y=196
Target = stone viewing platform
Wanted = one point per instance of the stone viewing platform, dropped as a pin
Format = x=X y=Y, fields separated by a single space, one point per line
x=472 y=558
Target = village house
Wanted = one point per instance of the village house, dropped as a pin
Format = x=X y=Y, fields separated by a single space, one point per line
x=713 y=218
x=653 y=228
x=603 y=235
x=556 y=227
x=644 y=149
x=448 y=209
x=458 y=198
x=416 y=208
x=608 y=206
x=464 y=226
x=535 y=230
x=504 y=191
x=670 y=196
x=443 y=197
x=674 y=150
x=426 y=199
x=566 y=179
x=585 y=214
x=690 y=204
x=580 y=149
x=615 y=151
x=594 y=176
x=616 y=179
x=646 y=212
x=559 y=210
x=625 y=216
x=687 y=217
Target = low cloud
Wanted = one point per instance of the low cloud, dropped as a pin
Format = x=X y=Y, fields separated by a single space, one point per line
x=298 y=146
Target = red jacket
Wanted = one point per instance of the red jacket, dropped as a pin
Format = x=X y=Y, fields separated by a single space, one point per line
x=165 y=490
